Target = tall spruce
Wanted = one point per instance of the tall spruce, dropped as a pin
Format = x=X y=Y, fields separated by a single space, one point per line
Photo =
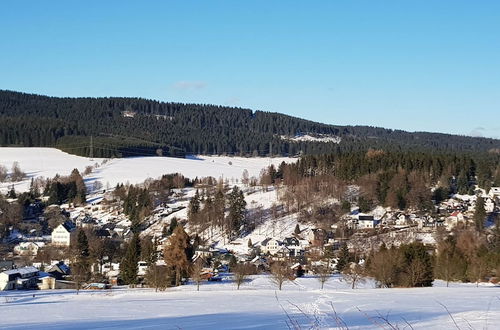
x=129 y=264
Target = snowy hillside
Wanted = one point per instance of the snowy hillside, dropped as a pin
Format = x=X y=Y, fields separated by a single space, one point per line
x=257 y=305
x=47 y=162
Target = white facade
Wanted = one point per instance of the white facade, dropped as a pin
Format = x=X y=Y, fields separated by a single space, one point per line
x=271 y=246
x=494 y=192
x=28 y=248
x=22 y=278
x=367 y=224
x=489 y=205
x=61 y=236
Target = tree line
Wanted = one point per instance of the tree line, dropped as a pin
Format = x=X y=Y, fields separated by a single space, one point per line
x=124 y=127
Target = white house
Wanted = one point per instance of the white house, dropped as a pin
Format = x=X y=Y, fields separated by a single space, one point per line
x=494 y=192
x=61 y=236
x=454 y=219
x=270 y=245
x=367 y=222
x=402 y=220
x=489 y=205
x=19 y=278
x=28 y=248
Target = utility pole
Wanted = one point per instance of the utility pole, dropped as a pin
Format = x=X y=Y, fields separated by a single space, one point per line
x=91 y=148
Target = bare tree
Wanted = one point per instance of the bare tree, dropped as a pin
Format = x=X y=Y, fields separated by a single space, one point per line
x=414 y=273
x=178 y=181
x=280 y=273
x=241 y=272
x=353 y=274
x=3 y=173
x=245 y=177
x=159 y=277
x=265 y=179
x=196 y=272
x=88 y=170
x=17 y=174
x=323 y=275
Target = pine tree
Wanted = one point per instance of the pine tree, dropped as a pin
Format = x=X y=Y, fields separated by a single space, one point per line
x=129 y=264
x=194 y=206
x=80 y=266
x=297 y=229
x=237 y=206
x=344 y=258
x=479 y=214
x=82 y=244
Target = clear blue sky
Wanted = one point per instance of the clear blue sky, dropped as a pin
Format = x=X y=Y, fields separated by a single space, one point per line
x=415 y=65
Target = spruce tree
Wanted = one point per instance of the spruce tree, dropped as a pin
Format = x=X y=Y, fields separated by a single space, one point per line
x=479 y=214
x=129 y=264
x=237 y=206
x=297 y=229
x=344 y=258
x=82 y=244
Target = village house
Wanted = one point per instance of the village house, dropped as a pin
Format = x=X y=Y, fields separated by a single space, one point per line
x=489 y=205
x=454 y=218
x=367 y=222
x=317 y=237
x=294 y=246
x=19 y=278
x=270 y=246
x=28 y=248
x=59 y=270
x=62 y=234
x=494 y=192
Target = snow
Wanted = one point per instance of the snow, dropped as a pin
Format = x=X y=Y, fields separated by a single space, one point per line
x=47 y=162
x=257 y=305
x=310 y=138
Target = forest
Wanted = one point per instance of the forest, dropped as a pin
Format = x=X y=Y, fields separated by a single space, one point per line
x=125 y=127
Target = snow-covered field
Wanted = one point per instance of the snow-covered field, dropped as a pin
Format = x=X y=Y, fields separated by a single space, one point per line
x=257 y=305
x=48 y=162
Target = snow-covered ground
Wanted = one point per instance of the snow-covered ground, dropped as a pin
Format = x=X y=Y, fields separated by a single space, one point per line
x=257 y=305
x=47 y=162
x=313 y=138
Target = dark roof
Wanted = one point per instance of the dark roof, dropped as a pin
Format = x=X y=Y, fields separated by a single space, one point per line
x=365 y=217
x=69 y=226
x=264 y=242
x=291 y=241
x=102 y=233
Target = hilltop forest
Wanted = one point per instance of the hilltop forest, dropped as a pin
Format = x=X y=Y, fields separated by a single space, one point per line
x=124 y=127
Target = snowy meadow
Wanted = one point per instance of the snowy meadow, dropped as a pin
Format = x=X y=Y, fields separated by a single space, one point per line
x=257 y=305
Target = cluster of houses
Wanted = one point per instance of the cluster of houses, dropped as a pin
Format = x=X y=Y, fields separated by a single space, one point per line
x=56 y=276
x=449 y=214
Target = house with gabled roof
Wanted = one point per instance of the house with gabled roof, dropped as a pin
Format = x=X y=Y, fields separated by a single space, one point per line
x=62 y=234
x=270 y=245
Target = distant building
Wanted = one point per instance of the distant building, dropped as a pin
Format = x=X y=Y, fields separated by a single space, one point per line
x=63 y=233
x=19 y=278
x=270 y=245
x=494 y=192
x=28 y=248
x=367 y=222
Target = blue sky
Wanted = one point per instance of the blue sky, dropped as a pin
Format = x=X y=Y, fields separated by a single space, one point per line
x=415 y=65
